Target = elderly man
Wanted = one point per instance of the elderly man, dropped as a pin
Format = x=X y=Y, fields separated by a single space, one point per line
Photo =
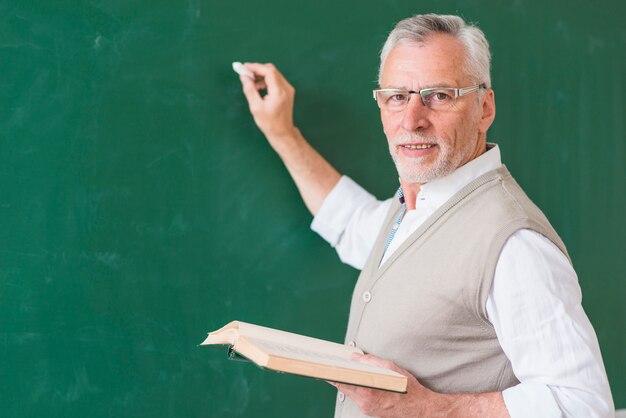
x=465 y=287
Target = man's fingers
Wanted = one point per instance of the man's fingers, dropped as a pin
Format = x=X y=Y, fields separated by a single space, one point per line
x=377 y=361
x=356 y=392
x=368 y=359
x=273 y=79
x=262 y=70
x=347 y=390
x=250 y=91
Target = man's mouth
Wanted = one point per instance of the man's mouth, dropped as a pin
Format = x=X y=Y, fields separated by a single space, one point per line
x=416 y=150
x=417 y=146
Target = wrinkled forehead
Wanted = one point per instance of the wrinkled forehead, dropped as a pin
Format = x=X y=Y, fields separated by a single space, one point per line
x=438 y=61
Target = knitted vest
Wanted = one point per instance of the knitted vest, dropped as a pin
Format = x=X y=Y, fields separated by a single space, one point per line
x=424 y=308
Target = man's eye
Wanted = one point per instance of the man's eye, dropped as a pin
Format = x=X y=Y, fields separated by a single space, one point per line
x=439 y=96
x=398 y=97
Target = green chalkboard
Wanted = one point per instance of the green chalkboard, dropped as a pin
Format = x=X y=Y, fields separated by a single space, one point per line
x=140 y=207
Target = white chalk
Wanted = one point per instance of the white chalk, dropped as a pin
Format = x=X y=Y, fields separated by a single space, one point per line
x=240 y=69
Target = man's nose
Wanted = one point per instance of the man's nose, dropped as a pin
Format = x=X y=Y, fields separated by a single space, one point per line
x=416 y=114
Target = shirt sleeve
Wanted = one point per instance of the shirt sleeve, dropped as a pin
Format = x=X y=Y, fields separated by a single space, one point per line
x=535 y=307
x=350 y=219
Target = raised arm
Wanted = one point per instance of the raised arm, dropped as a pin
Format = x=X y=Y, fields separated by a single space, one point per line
x=273 y=114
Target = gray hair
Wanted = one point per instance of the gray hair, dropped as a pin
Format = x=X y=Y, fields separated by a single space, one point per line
x=418 y=28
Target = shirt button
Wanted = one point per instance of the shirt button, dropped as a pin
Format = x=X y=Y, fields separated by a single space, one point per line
x=341 y=397
x=352 y=344
x=367 y=296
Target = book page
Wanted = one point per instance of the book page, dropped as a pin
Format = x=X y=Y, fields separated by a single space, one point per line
x=297 y=341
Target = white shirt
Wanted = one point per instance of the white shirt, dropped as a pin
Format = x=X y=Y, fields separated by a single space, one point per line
x=534 y=303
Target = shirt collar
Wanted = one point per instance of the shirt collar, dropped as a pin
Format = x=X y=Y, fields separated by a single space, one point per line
x=435 y=193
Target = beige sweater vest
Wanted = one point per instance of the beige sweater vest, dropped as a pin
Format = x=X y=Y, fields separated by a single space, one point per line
x=424 y=308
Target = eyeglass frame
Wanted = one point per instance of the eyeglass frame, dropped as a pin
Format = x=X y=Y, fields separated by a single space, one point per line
x=458 y=92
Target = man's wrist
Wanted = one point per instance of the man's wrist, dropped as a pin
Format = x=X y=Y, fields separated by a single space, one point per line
x=285 y=141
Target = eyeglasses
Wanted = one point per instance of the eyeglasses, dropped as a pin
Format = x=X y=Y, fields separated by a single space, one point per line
x=436 y=98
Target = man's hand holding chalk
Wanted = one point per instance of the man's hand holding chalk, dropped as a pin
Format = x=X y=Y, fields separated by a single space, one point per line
x=246 y=73
x=273 y=112
x=242 y=70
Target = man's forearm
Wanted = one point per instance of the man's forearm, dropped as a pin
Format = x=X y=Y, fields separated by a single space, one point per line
x=313 y=175
x=470 y=405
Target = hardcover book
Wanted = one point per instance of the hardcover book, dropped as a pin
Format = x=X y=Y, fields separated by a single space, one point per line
x=304 y=356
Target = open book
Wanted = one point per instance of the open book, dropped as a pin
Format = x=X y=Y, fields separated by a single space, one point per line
x=305 y=356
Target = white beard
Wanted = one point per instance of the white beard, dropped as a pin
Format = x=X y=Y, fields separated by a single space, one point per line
x=411 y=170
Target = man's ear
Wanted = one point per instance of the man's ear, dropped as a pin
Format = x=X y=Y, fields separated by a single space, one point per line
x=488 y=111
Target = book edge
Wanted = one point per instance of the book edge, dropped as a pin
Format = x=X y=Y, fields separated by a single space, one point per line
x=338 y=374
